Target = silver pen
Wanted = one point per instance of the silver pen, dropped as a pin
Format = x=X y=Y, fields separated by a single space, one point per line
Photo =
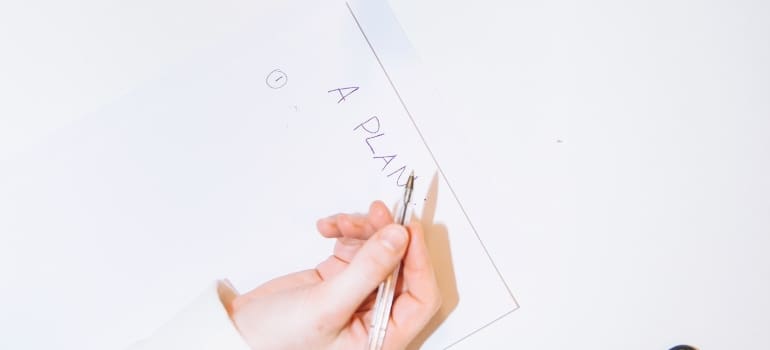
x=387 y=289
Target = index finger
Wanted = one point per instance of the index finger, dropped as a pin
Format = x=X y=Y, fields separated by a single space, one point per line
x=356 y=226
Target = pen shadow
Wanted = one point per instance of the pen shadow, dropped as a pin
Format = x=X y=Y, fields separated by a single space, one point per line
x=437 y=240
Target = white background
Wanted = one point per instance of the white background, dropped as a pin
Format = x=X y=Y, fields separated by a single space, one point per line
x=615 y=156
x=649 y=224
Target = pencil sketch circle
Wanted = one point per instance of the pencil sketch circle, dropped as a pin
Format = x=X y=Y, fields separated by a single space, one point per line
x=276 y=79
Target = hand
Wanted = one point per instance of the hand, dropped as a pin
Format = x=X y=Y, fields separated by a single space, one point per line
x=331 y=306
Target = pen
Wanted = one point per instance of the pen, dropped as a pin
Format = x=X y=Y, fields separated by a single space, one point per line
x=387 y=289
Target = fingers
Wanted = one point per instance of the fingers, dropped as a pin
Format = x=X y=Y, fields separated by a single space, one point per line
x=419 y=276
x=414 y=308
x=346 y=248
x=379 y=215
x=356 y=226
x=331 y=267
x=372 y=264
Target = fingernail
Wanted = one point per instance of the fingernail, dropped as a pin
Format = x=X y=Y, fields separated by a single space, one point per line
x=394 y=237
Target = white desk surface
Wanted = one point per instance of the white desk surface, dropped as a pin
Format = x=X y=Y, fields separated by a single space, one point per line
x=615 y=156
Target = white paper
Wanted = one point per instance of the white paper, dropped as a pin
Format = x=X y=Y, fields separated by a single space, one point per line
x=220 y=168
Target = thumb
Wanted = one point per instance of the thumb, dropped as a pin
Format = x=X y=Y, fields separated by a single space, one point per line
x=371 y=265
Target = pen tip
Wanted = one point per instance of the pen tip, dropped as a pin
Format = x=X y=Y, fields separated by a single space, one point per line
x=410 y=181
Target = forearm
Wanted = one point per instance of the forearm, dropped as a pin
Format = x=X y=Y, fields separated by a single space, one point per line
x=204 y=324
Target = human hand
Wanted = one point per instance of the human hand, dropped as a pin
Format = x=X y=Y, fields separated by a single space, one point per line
x=331 y=306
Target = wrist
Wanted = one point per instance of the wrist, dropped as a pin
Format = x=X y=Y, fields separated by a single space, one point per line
x=228 y=296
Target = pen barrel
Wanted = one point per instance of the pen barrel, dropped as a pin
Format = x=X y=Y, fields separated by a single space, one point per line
x=383 y=305
x=390 y=293
x=384 y=301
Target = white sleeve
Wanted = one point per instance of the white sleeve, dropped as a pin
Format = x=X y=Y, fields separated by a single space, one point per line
x=203 y=325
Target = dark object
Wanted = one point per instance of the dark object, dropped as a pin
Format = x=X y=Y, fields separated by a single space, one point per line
x=683 y=347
